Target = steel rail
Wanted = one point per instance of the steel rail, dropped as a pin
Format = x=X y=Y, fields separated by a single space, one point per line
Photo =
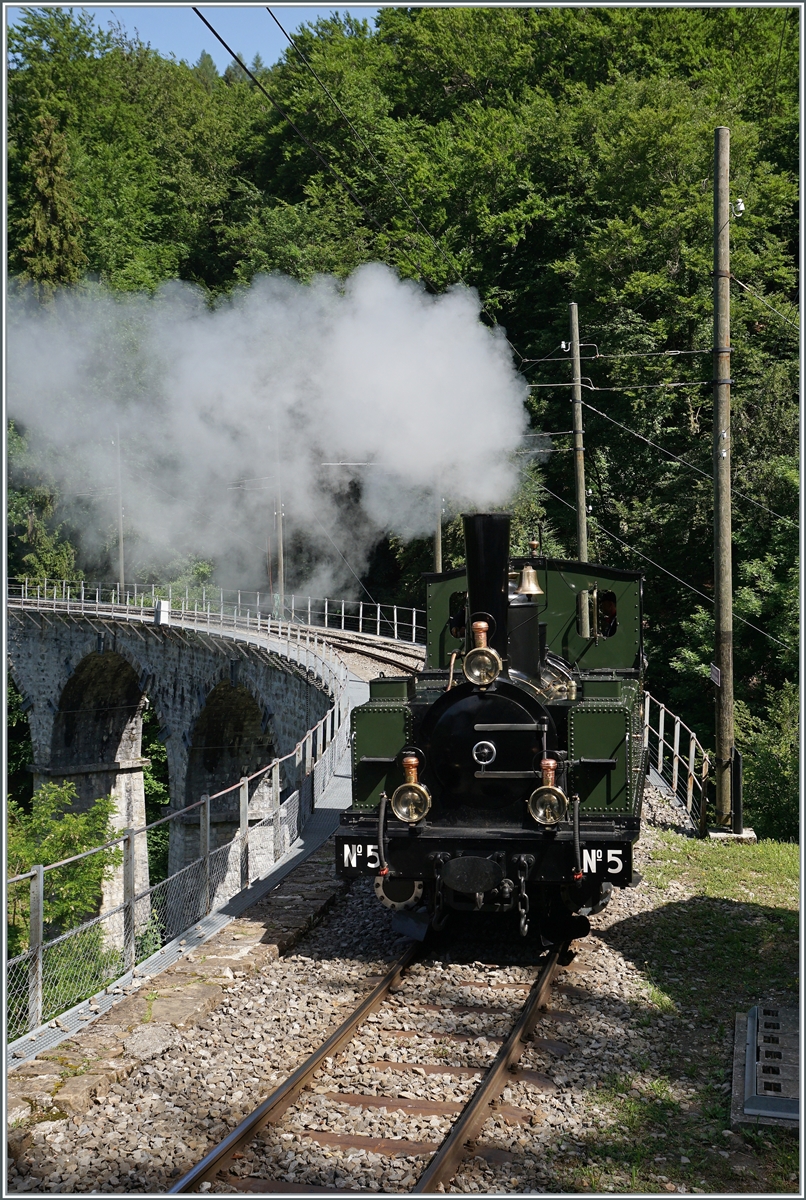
x=460 y=1142
x=279 y=1100
x=346 y=646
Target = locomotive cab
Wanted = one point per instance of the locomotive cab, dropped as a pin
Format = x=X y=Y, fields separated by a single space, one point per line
x=508 y=775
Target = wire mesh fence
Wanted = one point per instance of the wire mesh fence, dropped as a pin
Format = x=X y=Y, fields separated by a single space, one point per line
x=62 y=955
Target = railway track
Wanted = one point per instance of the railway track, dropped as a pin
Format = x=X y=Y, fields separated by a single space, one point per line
x=403 y=656
x=462 y=1141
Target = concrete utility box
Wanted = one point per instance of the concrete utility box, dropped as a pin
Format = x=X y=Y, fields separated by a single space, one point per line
x=162 y=612
x=766 y=1072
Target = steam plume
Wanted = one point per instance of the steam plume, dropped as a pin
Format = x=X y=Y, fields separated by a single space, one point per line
x=220 y=410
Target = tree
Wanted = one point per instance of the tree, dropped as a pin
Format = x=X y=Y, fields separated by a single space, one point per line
x=20 y=755
x=234 y=72
x=50 y=246
x=36 y=549
x=207 y=71
x=46 y=834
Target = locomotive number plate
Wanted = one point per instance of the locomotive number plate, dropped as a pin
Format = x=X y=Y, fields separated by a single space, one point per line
x=608 y=862
x=355 y=856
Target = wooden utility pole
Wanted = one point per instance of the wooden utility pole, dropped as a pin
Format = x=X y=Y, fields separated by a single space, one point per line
x=121 y=580
x=438 y=537
x=579 y=451
x=280 y=559
x=723 y=567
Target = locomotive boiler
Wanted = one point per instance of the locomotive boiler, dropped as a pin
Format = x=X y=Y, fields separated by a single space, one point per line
x=507 y=776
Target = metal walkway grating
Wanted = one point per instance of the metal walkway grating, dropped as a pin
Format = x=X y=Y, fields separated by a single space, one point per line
x=767 y=1066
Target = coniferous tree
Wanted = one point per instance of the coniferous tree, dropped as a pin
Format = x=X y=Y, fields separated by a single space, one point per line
x=50 y=249
x=235 y=72
x=207 y=71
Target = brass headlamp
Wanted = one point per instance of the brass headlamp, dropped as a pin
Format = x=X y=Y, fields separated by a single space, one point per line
x=548 y=805
x=411 y=801
x=482 y=665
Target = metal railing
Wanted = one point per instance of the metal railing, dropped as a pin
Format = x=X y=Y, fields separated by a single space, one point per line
x=682 y=763
x=51 y=975
x=393 y=621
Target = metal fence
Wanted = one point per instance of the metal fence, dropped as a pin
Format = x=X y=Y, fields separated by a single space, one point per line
x=54 y=973
x=682 y=763
x=259 y=609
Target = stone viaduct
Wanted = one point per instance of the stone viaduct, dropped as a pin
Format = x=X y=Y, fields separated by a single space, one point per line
x=227 y=704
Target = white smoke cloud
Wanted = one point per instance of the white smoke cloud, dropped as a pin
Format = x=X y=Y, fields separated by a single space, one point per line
x=219 y=409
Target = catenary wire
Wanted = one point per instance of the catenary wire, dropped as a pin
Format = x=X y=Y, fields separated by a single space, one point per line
x=671 y=574
x=685 y=463
x=631 y=354
x=761 y=300
x=341 y=556
x=636 y=387
x=336 y=174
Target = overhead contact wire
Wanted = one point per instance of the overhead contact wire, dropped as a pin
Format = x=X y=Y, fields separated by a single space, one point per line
x=671 y=574
x=685 y=463
x=761 y=300
x=631 y=354
x=635 y=387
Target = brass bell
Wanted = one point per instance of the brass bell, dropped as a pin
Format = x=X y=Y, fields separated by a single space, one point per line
x=528 y=585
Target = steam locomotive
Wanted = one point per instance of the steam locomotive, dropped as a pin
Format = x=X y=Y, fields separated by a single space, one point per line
x=507 y=776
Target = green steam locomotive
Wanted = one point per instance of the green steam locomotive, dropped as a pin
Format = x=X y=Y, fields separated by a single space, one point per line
x=507 y=776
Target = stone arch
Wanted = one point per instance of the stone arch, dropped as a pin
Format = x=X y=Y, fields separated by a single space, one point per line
x=99 y=717
x=231 y=738
x=96 y=745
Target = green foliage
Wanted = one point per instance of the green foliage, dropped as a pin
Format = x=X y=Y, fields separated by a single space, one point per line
x=46 y=834
x=155 y=783
x=770 y=745
x=149 y=149
x=207 y=71
x=19 y=781
x=49 y=247
x=36 y=549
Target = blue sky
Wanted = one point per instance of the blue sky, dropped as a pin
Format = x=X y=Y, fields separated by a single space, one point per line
x=248 y=29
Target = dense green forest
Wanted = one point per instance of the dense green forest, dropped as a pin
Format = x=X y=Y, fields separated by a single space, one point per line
x=537 y=155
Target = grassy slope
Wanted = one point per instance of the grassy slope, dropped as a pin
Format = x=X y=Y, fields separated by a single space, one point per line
x=724 y=937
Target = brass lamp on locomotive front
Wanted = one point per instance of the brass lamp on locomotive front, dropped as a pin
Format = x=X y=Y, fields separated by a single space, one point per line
x=411 y=801
x=548 y=805
x=482 y=664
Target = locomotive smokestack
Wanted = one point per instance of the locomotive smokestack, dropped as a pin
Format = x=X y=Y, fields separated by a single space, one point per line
x=487 y=553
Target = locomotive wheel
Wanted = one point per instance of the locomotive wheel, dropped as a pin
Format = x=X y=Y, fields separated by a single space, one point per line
x=398 y=893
